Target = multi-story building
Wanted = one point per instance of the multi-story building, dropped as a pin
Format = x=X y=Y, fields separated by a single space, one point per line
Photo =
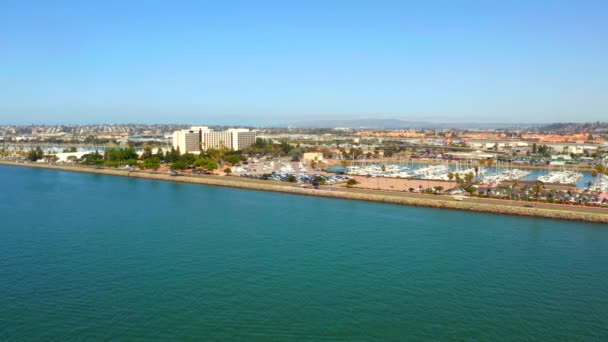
x=241 y=138
x=233 y=138
x=187 y=141
x=220 y=139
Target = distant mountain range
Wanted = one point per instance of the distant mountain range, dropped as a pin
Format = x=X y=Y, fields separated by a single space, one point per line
x=399 y=124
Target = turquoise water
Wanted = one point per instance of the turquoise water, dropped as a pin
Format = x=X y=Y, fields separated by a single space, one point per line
x=92 y=257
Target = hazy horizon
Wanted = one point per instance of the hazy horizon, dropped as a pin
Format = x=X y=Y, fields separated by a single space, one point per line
x=276 y=63
x=324 y=123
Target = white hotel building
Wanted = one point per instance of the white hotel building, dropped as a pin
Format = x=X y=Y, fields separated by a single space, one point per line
x=187 y=141
x=201 y=137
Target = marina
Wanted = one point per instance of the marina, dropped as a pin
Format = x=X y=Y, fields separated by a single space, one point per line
x=283 y=170
x=600 y=183
x=561 y=177
x=493 y=175
x=510 y=174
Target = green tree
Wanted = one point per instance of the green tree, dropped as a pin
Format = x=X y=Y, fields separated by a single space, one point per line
x=212 y=166
x=232 y=159
x=188 y=158
x=206 y=164
x=92 y=158
x=160 y=154
x=351 y=182
x=173 y=155
x=150 y=163
x=469 y=177
x=321 y=180
x=260 y=143
x=470 y=189
x=147 y=153
x=120 y=155
x=35 y=154
x=458 y=179
x=286 y=147
x=296 y=153
x=179 y=165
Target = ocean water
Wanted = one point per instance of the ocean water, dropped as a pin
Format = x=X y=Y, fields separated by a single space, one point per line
x=93 y=257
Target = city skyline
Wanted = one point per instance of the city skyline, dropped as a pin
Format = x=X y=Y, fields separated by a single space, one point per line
x=275 y=63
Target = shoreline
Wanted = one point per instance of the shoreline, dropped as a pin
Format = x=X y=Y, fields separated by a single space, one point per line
x=493 y=206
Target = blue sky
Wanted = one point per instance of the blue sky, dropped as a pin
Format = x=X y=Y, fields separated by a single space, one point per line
x=265 y=62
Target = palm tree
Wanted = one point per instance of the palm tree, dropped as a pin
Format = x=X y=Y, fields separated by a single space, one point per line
x=458 y=179
x=476 y=171
x=589 y=184
x=469 y=177
x=515 y=188
x=538 y=187
x=450 y=176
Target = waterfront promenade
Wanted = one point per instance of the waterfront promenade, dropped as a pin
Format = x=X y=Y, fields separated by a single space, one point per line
x=497 y=206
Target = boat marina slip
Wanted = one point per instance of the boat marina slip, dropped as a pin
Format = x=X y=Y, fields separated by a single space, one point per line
x=446 y=172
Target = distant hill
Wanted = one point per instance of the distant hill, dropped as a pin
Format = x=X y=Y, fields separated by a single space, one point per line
x=575 y=127
x=397 y=124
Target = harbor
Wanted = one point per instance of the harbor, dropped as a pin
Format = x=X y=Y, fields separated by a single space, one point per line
x=486 y=175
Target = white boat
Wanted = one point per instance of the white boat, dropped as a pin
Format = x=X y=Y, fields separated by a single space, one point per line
x=561 y=177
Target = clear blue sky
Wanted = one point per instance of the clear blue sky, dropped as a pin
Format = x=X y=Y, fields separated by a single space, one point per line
x=261 y=61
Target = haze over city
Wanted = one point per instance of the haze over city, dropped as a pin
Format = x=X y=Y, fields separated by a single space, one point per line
x=275 y=62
